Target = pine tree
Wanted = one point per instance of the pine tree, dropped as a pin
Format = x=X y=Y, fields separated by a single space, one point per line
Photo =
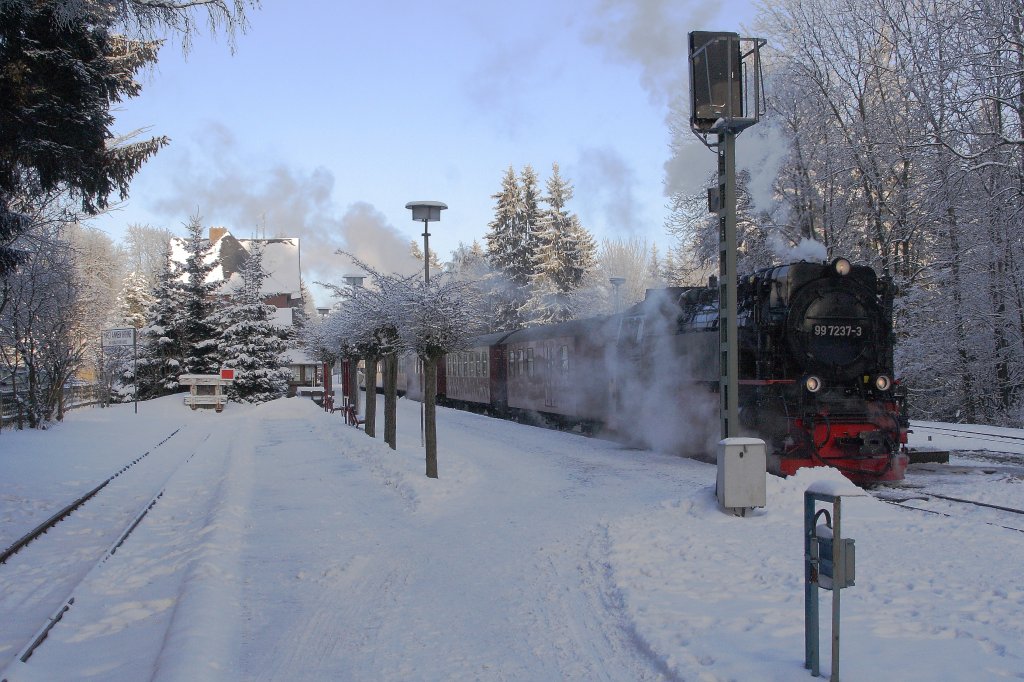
x=198 y=334
x=135 y=300
x=160 y=356
x=530 y=215
x=249 y=341
x=509 y=253
x=503 y=238
x=60 y=76
x=563 y=258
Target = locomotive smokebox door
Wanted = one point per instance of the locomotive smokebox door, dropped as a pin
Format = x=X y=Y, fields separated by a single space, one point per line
x=742 y=472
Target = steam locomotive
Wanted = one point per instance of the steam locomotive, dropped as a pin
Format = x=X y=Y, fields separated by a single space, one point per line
x=815 y=371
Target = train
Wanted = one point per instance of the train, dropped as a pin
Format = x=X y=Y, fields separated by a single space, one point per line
x=815 y=371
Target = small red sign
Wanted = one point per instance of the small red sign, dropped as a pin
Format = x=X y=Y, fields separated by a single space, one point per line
x=227 y=374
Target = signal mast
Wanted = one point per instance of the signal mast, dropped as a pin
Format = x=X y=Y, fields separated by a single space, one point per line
x=726 y=98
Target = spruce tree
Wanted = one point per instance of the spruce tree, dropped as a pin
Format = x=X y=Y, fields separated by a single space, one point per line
x=501 y=239
x=198 y=334
x=59 y=77
x=564 y=256
x=508 y=251
x=249 y=341
x=160 y=356
x=135 y=300
x=530 y=216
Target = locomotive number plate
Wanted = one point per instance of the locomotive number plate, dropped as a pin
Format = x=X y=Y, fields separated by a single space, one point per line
x=838 y=330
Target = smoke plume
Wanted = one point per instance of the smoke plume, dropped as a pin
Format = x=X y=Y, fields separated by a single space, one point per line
x=281 y=201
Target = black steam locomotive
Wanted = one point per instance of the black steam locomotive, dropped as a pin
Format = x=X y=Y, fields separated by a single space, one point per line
x=816 y=368
x=815 y=371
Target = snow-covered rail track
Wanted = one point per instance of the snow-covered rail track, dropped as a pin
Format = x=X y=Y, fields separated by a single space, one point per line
x=75 y=504
x=972 y=434
x=27 y=651
x=42 y=572
x=991 y=514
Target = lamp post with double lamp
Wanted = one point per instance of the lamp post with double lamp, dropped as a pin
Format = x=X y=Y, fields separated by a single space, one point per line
x=617 y=282
x=428 y=212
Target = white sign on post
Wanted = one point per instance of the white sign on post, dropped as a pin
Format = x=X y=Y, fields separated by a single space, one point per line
x=113 y=338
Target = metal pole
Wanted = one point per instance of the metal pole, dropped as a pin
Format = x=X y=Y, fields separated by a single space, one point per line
x=811 y=660
x=135 y=365
x=426 y=254
x=426 y=280
x=105 y=381
x=423 y=401
x=729 y=370
x=838 y=580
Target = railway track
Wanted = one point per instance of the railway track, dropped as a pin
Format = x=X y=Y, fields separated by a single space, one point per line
x=49 y=523
x=935 y=488
x=1013 y=514
x=983 y=436
x=39 y=577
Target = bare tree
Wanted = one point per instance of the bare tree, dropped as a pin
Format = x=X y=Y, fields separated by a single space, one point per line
x=42 y=336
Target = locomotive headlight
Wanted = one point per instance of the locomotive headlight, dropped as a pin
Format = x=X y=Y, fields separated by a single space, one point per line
x=842 y=266
x=883 y=383
x=813 y=384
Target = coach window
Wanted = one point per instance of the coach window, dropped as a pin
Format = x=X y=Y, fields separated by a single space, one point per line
x=529 y=362
x=565 y=359
x=520 y=370
x=511 y=364
x=487 y=365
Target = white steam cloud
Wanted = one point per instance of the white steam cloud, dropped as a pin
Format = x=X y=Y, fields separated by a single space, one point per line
x=668 y=408
x=605 y=183
x=653 y=35
x=281 y=201
x=807 y=249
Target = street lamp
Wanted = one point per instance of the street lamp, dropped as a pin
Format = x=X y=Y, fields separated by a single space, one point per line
x=428 y=212
x=617 y=282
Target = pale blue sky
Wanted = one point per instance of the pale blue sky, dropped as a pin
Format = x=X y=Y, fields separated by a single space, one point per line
x=329 y=117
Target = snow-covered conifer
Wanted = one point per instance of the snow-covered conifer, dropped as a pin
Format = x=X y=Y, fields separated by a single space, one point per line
x=249 y=342
x=198 y=334
x=135 y=300
x=563 y=258
x=160 y=354
x=509 y=253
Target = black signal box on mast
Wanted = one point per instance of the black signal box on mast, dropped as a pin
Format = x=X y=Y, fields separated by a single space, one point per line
x=716 y=90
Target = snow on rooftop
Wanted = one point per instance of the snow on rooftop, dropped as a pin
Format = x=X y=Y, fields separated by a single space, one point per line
x=281 y=261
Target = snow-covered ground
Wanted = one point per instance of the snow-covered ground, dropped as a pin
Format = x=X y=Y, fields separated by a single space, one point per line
x=288 y=546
